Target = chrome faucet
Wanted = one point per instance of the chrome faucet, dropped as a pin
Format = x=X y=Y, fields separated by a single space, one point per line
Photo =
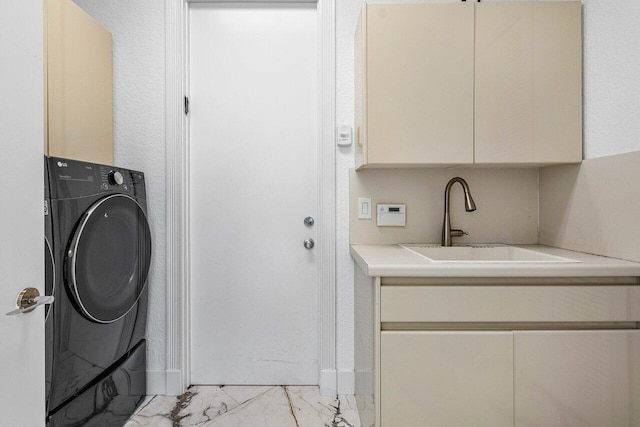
x=469 y=206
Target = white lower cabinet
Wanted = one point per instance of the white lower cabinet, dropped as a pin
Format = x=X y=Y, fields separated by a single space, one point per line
x=446 y=379
x=577 y=378
x=510 y=378
x=561 y=352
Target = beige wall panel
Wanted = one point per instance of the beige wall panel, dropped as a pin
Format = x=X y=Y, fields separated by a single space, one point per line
x=510 y=304
x=593 y=207
x=79 y=74
x=45 y=107
x=577 y=378
x=419 y=83
x=447 y=379
x=360 y=84
x=498 y=219
x=528 y=91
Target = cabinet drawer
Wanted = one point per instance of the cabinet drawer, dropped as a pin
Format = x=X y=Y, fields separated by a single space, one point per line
x=510 y=304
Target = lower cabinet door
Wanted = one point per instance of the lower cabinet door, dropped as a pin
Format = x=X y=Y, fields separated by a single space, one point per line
x=577 y=378
x=446 y=379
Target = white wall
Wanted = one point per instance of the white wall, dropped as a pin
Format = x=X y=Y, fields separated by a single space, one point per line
x=137 y=28
x=612 y=108
x=611 y=77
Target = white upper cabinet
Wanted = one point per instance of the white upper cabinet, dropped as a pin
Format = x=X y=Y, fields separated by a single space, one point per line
x=528 y=83
x=464 y=83
x=414 y=84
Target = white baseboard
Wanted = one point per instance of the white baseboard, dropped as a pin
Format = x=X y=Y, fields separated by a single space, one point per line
x=328 y=382
x=164 y=382
x=363 y=383
x=170 y=382
x=346 y=380
x=334 y=382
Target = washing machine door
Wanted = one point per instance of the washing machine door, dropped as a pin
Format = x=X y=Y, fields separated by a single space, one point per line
x=108 y=258
x=49 y=274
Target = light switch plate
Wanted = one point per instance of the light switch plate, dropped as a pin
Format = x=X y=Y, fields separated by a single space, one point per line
x=391 y=215
x=364 y=208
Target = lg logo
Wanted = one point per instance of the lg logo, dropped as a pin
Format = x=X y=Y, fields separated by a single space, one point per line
x=62 y=165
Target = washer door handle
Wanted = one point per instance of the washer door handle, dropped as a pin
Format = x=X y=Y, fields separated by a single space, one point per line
x=29 y=299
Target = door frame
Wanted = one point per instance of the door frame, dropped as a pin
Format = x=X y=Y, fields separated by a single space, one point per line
x=178 y=330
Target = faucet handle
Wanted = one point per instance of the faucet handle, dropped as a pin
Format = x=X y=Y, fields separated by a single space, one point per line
x=458 y=233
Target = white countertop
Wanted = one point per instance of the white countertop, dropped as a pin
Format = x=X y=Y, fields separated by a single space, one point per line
x=395 y=261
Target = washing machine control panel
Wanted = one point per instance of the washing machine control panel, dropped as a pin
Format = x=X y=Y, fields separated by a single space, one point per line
x=84 y=179
x=120 y=180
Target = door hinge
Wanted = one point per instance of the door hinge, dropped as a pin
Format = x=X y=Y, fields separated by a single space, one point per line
x=186 y=105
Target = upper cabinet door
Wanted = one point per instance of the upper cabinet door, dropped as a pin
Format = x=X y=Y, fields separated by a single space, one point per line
x=528 y=83
x=79 y=85
x=417 y=84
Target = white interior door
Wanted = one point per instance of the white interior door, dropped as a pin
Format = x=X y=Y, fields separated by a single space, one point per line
x=21 y=212
x=253 y=180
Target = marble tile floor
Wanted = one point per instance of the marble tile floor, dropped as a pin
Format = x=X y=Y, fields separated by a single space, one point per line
x=249 y=406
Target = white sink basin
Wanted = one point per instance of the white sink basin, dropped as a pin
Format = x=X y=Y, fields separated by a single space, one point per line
x=483 y=254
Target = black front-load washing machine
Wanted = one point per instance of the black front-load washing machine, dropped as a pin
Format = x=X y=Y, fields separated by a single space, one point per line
x=49 y=274
x=102 y=253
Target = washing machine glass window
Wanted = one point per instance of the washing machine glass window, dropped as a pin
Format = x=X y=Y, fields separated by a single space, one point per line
x=108 y=258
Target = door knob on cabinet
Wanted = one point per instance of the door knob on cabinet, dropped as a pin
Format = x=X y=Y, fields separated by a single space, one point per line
x=309 y=243
x=309 y=221
x=28 y=300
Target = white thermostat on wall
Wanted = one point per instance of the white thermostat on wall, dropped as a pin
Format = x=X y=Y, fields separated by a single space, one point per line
x=344 y=135
x=391 y=215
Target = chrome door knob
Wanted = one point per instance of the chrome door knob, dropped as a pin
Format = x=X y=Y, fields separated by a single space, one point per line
x=309 y=221
x=28 y=300
x=309 y=243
